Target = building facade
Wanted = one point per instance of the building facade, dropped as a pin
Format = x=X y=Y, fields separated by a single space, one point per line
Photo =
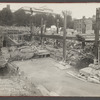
x=84 y=25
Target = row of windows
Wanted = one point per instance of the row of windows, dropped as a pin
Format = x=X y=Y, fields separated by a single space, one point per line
x=78 y=25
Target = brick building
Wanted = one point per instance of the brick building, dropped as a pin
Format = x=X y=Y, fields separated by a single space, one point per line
x=84 y=25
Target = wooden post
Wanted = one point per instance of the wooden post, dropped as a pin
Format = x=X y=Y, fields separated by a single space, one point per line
x=31 y=29
x=57 y=26
x=57 y=31
x=45 y=23
x=64 y=36
x=98 y=55
x=97 y=33
x=31 y=23
x=41 y=31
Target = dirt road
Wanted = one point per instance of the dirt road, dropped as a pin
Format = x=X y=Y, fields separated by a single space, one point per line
x=53 y=81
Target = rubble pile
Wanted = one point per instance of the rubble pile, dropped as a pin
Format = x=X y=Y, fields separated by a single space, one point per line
x=28 y=51
x=79 y=57
x=22 y=53
x=4 y=56
x=91 y=73
x=5 y=53
x=75 y=55
x=3 y=61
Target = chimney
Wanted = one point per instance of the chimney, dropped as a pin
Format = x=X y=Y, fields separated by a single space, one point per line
x=8 y=6
x=83 y=17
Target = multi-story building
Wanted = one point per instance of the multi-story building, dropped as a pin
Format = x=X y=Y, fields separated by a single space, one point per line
x=78 y=25
x=84 y=25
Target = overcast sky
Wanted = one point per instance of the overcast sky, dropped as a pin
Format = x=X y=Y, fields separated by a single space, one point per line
x=78 y=9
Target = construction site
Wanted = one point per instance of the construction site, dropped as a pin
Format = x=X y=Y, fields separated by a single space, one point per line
x=35 y=61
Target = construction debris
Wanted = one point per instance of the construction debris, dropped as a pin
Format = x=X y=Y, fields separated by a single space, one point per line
x=42 y=52
x=62 y=65
x=4 y=56
x=3 y=62
x=91 y=73
x=75 y=55
x=5 y=53
x=24 y=52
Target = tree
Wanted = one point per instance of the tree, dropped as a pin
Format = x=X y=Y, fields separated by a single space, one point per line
x=50 y=20
x=70 y=23
x=6 y=17
x=36 y=19
x=21 y=18
x=60 y=20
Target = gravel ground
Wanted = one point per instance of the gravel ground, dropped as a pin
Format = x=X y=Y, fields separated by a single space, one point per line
x=44 y=73
x=15 y=83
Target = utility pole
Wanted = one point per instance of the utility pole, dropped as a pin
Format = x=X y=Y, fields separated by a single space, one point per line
x=41 y=31
x=64 y=36
x=31 y=24
x=97 y=33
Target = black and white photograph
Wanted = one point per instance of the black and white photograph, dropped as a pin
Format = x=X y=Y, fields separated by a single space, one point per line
x=50 y=49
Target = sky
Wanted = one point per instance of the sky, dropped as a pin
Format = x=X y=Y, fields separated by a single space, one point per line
x=78 y=10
